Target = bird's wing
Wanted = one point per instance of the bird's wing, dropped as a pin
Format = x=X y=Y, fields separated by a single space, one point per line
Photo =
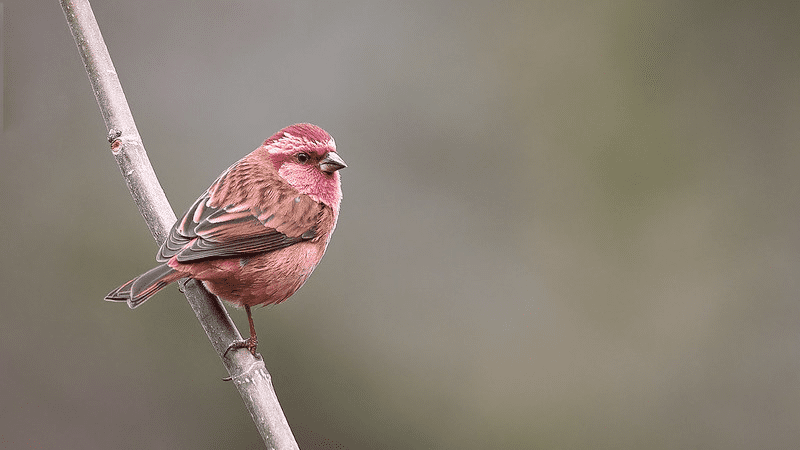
x=270 y=217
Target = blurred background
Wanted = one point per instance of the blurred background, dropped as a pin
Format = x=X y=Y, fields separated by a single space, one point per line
x=564 y=225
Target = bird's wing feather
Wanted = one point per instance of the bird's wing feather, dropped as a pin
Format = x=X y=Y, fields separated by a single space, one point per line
x=264 y=220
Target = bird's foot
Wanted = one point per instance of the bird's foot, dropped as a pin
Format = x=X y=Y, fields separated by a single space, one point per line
x=250 y=343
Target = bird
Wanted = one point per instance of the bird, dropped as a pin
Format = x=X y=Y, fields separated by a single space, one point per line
x=256 y=234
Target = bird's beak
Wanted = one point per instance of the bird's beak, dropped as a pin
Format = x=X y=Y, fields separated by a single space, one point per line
x=331 y=163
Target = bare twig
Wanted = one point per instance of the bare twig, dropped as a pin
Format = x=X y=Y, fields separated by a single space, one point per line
x=247 y=372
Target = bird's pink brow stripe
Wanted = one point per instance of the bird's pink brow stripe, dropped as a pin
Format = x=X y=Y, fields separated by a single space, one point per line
x=293 y=141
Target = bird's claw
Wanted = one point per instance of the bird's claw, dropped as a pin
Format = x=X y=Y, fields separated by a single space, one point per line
x=250 y=343
x=182 y=284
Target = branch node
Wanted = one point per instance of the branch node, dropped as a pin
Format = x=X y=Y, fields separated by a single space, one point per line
x=113 y=134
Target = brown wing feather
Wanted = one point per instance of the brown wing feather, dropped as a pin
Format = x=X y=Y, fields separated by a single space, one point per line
x=247 y=210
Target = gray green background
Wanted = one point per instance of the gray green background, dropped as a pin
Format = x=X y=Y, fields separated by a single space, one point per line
x=565 y=224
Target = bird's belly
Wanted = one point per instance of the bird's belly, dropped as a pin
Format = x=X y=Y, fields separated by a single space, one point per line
x=260 y=279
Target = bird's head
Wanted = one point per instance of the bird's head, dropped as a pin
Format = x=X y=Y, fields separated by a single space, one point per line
x=305 y=156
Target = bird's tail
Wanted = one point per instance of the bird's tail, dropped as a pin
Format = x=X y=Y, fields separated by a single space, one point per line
x=139 y=289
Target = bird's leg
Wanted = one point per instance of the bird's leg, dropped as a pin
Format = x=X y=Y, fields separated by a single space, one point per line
x=250 y=343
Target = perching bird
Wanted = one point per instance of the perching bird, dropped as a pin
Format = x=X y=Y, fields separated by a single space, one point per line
x=258 y=232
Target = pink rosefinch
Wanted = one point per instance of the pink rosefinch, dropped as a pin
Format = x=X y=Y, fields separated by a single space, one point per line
x=258 y=232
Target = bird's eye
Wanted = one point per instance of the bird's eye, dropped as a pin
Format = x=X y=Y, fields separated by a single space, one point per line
x=303 y=158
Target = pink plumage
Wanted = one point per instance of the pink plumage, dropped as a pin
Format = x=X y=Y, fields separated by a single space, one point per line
x=255 y=236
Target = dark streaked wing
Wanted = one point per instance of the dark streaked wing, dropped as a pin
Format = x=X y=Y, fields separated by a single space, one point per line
x=208 y=231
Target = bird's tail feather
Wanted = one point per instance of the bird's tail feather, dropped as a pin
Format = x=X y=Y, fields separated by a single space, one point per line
x=139 y=289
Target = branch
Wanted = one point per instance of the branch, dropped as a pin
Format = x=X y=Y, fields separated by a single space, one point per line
x=248 y=373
